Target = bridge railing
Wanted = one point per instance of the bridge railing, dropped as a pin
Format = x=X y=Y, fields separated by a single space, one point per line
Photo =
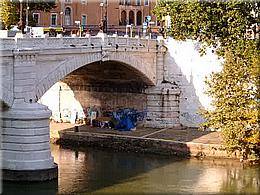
x=75 y=42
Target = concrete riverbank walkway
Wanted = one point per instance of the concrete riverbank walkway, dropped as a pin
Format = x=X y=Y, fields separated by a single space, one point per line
x=182 y=141
x=184 y=134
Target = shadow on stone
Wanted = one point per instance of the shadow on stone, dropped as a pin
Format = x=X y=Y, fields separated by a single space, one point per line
x=31 y=175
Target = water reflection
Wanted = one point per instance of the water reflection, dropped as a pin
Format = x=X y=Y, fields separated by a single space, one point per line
x=91 y=170
x=32 y=188
x=247 y=180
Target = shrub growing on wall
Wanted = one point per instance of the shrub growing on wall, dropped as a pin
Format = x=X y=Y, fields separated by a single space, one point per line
x=232 y=28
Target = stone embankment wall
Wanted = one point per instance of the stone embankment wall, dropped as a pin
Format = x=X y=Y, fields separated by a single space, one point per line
x=188 y=69
x=145 y=145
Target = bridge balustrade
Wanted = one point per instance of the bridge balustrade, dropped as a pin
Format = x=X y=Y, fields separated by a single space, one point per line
x=78 y=42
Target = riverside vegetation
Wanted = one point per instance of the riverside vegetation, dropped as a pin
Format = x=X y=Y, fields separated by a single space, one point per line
x=231 y=28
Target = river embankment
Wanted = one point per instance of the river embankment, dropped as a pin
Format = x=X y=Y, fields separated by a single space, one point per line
x=183 y=142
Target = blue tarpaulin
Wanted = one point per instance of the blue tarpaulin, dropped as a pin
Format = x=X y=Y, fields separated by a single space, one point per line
x=126 y=119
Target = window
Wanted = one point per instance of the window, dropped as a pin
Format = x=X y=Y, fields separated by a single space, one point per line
x=138 y=2
x=67 y=1
x=131 y=17
x=84 y=21
x=67 y=17
x=121 y=2
x=139 y=18
x=53 y=19
x=146 y=2
x=127 y=2
x=83 y=1
x=36 y=18
x=123 y=21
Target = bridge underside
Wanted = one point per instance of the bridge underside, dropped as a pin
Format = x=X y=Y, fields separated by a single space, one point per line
x=111 y=85
x=108 y=85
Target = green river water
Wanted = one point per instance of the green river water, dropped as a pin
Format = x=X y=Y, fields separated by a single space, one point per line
x=96 y=171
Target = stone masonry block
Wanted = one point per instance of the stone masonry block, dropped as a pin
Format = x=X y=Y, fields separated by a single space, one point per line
x=168 y=103
x=162 y=109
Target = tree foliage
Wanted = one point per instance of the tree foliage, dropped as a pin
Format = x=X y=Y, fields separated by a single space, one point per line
x=236 y=98
x=8 y=14
x=10 y=10
x=232 y=28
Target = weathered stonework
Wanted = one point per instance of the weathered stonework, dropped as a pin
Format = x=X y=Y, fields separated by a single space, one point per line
x=145 y=145
x=24 y=75
x=32 y=65
x=25 y=139
x=163 y=106
x=163 y=99
x=188 y=69
x=106 y=98
x=6 y=81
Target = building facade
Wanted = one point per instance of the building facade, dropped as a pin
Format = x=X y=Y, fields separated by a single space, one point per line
x=91 y=15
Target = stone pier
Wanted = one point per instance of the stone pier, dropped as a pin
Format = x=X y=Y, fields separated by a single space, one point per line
x=25 y=143
x=163 y=98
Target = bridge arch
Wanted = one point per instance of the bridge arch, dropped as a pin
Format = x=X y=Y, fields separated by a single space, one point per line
x=73 y=63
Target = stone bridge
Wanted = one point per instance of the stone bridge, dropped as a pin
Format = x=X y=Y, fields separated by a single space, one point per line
x=30 y=66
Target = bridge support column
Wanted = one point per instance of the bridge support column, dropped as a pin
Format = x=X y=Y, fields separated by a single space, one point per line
x=163 y=106
x=163 y=99
x=25 y=143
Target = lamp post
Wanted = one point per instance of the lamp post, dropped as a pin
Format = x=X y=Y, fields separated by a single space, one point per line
x=27 y=13
x=101 y=16
x=106 y=18
x=20 y=23
x=27 y=17
x=78 y=23
x=61 y=19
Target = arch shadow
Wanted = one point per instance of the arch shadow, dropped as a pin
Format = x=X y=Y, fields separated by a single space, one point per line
x=68 y=66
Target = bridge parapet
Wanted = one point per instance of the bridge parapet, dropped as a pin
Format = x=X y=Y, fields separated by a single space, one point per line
x=146 y=43
x=47 y=43
x=76 y=42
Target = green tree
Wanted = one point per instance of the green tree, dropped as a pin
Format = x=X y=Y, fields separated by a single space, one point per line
x=9 y=10
x=8 y=14
x=232 y=28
